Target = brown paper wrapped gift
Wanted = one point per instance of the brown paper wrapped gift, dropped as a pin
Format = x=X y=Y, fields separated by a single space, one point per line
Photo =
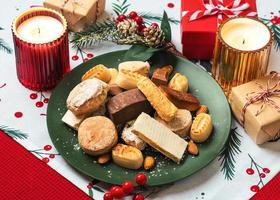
x=78 y=13
x=256 y=105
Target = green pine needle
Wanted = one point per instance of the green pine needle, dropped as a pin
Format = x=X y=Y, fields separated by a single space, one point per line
x=4 y=46
x=276 y=31
x=149 y=18
x=120 y=7
x=95 y=33
x=228 y=153
x=14 y=133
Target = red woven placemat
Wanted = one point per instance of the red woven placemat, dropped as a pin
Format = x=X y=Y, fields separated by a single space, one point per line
x=23 y=176
x=271 y=190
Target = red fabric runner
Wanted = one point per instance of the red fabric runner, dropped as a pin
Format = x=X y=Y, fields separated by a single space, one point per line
x=23 y=176
x=271 y=191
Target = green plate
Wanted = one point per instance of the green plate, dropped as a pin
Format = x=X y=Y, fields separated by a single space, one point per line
x=166 y=171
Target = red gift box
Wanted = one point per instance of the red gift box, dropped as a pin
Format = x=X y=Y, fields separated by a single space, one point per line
x=198 y=36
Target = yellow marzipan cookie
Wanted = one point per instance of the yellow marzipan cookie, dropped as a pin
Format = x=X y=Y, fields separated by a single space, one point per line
x=98 y=71
x=201 y=128
x=179 y=82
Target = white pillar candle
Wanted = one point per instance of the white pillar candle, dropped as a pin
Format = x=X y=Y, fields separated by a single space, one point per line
x=40 y=29
x=245 y=34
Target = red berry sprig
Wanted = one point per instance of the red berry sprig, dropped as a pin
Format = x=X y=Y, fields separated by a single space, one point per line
x=135 y=17
x=43 y=99
x=126 y=188
x=84 y=55
x=250 y=171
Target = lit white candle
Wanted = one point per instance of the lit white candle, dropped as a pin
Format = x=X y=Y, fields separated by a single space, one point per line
x=245 y=34
x=40 y=29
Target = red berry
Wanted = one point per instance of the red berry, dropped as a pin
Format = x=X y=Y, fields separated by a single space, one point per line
x=108 y=196
x=47 y=147
x=51 y=156
x=75 y=57
x=250 y=171
x=89 y=55
x=18 y=114
x=170 y=5
x=85 y=59
x=39 y=104
x=266 y=170
x=133 y=14
x=46 y=100
x=117 y=192
x=138 y=197
x=121 y=17
x=89 y=186
x=45 y=160
x=33 y=96
x=262 y=175
x=127 y=187
x=141 y=179
x=139 y=20
x=154 y=25
x=255 y=188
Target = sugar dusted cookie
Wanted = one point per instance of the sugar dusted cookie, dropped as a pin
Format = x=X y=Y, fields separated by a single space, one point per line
x=97 y=135
x=87 y=96
x=130 y=138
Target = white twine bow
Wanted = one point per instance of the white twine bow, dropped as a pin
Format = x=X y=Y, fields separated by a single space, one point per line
x=217 y=7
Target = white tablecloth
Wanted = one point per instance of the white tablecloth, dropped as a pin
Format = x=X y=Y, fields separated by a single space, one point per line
x=209 y=183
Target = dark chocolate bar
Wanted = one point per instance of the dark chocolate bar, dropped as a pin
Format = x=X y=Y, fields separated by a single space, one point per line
x=127 y=106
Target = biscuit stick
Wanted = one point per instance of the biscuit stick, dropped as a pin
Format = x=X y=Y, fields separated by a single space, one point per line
x=165 y=109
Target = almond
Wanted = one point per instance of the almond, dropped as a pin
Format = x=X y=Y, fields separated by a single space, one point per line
x=103 y=159
x=202 y=109
x=192 y=148
x=149 y=162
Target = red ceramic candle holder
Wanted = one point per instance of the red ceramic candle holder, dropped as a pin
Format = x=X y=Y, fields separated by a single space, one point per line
x=41 y=66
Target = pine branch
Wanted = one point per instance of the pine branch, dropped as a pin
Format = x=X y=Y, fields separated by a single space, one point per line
x=1 y=28
x=228 y=153
x=14 y=133
x=93 y=34
x=120 y=7
x=276 y=31
x=5 y=47
x=149 y=18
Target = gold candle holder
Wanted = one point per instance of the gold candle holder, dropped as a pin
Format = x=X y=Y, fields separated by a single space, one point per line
x=241 y=53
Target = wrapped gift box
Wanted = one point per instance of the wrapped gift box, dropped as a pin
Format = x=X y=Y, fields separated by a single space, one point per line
x=198 y=36
x=78 y=13
x=266 y=125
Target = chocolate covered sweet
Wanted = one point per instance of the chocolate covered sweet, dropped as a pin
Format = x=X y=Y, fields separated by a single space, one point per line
x=127 y=105
x=161 y=75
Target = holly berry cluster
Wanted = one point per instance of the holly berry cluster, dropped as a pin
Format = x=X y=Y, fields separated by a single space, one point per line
x=43 y=99
x=41 y=154
x=261 y=172
x=85 y=55
x=126 y=188
x=138 y=19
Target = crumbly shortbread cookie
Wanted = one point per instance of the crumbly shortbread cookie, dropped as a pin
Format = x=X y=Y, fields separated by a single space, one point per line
x=125 y=80
x=180 y=124
x=97 y=135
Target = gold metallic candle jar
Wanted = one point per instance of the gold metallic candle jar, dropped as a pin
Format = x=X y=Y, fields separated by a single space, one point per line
x=241 y=52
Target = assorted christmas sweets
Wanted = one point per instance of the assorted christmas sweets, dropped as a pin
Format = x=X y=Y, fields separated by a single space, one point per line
x=120 y=115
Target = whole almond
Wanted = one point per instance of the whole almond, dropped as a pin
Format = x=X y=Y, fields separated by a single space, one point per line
x=149 y=162
x=192 y=148
x=202 y=109
x=103 y=159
